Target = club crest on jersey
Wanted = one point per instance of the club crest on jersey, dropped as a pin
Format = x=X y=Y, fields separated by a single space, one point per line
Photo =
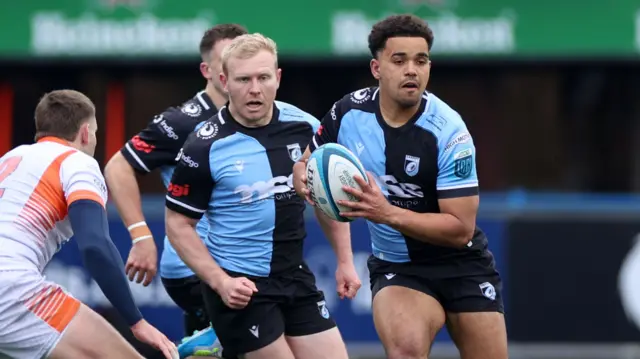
x=294 y=151
x=191 y=109
x=488 y=290
x=207 y=131
x=463 y=163
x=324 y=311
x=361 y=96
x=411 y=165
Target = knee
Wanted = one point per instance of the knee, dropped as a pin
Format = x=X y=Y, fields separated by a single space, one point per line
x=407 y=350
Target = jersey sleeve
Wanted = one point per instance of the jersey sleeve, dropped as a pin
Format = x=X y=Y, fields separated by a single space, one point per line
x=192 y=183
x=327 y=132
x=159 y=143
x=81 y=178
x=457 y=175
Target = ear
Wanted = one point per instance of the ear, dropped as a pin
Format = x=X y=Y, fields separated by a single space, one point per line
x=278 y=77
x=205 y=71
x=84 y=134
x=224 y=81
x=375 y=68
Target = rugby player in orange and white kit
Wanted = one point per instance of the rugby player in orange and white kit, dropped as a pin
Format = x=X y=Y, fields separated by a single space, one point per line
x=50 y=191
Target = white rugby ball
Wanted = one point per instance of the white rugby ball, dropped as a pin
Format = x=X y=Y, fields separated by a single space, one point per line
x=330 y=167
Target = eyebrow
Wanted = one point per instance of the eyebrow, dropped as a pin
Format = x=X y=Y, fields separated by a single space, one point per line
x=404 y=54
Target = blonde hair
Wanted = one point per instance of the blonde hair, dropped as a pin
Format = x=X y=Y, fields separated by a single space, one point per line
x=247 y=46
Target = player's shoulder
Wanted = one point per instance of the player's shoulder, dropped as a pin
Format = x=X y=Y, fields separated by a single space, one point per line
x=80 y=161
x=291 y=113
x=441 y=119
x=363 y=99
x=185 y=116
x=207 y=132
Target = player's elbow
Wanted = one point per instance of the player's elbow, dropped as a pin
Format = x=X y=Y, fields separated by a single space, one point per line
x=463 y=236
x=177 y=224
x=116 y=169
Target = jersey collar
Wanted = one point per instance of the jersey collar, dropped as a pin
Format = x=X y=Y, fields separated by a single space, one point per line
x=54 y=139
x=226 y=115
x=205 y=101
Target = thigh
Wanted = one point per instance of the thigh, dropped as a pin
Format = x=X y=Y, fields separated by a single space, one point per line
x=480 y=335
x=404 y=333
x=89 y=335
x=304 y=307
x=277 y=349
x=323 y=345
x=246 y=330
x=187 y=294
x=33 y=314
x=473 y=301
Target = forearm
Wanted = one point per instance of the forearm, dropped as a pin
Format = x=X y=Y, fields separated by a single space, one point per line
x=101 y=258
x=192 y=250
x=339 y=235
x=441 y=229
x=124 y=190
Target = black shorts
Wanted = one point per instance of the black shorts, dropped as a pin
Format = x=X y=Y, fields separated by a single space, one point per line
x=464 y=284
x=187 y=294
x=288 y=303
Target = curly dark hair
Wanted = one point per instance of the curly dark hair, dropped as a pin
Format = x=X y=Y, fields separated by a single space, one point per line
x=217 y=33
x=398 y=26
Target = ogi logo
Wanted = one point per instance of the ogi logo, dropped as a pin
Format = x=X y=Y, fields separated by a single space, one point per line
x=280 y=187
x=207 y=131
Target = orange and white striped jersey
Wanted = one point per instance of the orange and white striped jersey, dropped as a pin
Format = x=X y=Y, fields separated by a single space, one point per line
x=38 y=182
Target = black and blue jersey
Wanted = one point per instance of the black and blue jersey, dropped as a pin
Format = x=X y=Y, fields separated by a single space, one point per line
x=241 y=179
x=429 y=158
x=156 y=147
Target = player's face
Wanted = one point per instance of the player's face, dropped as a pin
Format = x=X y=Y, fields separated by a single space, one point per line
x=403 y=68
x=252 y=85
x=88 y=136
x=213 y=68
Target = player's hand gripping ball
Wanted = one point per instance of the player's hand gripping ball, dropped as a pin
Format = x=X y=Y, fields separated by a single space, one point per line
x=330 y=167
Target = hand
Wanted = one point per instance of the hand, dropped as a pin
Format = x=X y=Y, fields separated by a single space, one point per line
x=300 y=181
x=146 y=333
x=347 y=281
x=372 y=205
x=236 y=292
x=143 y=261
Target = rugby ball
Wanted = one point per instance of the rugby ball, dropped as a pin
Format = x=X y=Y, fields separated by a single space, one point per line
x=330 y=167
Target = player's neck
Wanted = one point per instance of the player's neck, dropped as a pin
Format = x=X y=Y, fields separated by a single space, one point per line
x=395 y=115
x=251 y=124
x=216 y=97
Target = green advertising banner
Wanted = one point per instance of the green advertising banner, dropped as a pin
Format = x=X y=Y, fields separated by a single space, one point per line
x=157 y=28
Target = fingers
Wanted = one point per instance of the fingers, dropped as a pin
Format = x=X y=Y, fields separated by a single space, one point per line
x=151 y=273
x=141 y=275
x=307 y=196
x=341 y=288
x=352 y=289
x=133 y=270
x=354 y=214
x=249 y=284
x=352 y=205
x=354 y=191
x=360 y=181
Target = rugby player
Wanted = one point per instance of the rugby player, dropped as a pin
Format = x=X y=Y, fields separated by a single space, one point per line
x=157 y=146
x=420 y=202
x=237 y=169
x=50 y=191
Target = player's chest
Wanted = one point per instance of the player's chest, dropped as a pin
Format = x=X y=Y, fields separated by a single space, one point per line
x=258 y=168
